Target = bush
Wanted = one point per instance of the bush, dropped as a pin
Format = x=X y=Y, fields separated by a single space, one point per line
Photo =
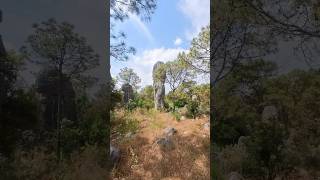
x=193 y=109
x=176 y=115
x=125 y=123
x=36 y=164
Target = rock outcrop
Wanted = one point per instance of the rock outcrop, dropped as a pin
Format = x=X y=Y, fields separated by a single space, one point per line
x=127 y=93
x=114 y=155
x=159 y=78
x=169 y=131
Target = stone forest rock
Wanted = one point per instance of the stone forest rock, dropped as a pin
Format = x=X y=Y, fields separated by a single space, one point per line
x=47 y=86
x=159 y=78
x=127 y=92
x=114 y=155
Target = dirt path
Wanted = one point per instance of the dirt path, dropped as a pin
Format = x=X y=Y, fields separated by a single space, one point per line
x=142 y=158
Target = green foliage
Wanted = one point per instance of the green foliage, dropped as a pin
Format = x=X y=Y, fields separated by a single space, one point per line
x=146 y=95
x=93 y=125
x=243 y=93
x=178 y=72
x=193 y=108
x=65 y=50
x=191 y=96
x=103 y=93
x=266 y=146
x=142 y=99
x=20 y=112
x=274 y=146
x=198 y=57
x=10 y=65
x=159 y=74
x=176 y=115
x=142 y=8
x=202 y=92
x=128 y=76
x=125 y=123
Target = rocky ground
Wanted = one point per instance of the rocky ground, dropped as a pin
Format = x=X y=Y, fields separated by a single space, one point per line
x=163 y=148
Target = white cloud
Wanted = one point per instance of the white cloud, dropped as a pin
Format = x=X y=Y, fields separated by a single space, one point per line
x=198 y=11
x=143 y=63
x=178 y=41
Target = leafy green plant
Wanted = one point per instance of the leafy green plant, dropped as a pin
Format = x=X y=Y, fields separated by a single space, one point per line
x=176 y=115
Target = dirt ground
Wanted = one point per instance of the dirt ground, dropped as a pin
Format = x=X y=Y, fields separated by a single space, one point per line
x=142 y=158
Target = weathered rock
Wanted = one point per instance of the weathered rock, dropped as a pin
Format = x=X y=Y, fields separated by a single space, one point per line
x=194 y=98
x=242 y=140
x=206 y=126
x=165 y=143
x=159 y=78
x=129 y=135
x=235 y=176
x=127 y=93
x=169 y=131
x=47 y=87
x=269 y=112
x=183 y=111
x=114 y=155
x=182 y=118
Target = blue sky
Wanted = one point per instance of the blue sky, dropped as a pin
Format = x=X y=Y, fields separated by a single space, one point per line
x=170 y=31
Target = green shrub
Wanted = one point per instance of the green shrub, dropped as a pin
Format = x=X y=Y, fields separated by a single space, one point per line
x=193 y=109
x=127 y=124
x=176 y=115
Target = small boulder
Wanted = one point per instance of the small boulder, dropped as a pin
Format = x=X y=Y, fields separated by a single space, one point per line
x=129 y=135
x=183 y=111
x=182 y=118
x=206 y=126
x=242 y=140
x=114 y=155
x=169 y=131
x=194 y=97
x=165 y=143
x=269 y=112
x=235 y=176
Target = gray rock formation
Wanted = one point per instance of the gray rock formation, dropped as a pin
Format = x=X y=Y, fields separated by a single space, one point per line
x=242 y=140
x=127 y=92
x=169 y=131
x=183 y=111
x=206 y=126
x=129 y=135
x=269 y=112
x=47 y=87
x=114 y=155
x=235 y=176
x=159 y=78
x=165 y=143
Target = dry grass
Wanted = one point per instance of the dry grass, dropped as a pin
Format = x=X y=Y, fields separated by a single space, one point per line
x=143 y=159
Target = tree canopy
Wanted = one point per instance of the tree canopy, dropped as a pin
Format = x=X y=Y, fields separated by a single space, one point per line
x=128 y=76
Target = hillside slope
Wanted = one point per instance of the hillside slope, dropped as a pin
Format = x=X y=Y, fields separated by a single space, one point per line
x=143 y=158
